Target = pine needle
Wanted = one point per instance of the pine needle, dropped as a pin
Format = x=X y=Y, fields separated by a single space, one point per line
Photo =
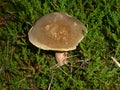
x=118 y=64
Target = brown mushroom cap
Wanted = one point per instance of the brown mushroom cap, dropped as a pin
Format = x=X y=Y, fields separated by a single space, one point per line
x=56 y=31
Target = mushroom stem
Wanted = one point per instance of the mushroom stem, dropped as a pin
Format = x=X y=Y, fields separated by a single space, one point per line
x=61 y=58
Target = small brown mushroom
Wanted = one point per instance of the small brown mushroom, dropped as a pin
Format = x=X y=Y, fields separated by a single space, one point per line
x=57 y=32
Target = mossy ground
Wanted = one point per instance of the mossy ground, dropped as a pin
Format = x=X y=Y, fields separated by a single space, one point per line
x=23 y=66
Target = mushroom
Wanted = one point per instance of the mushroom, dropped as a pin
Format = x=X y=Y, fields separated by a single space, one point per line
x=58 y=32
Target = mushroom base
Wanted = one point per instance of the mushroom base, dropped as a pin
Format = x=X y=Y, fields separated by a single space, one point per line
x=61 y=58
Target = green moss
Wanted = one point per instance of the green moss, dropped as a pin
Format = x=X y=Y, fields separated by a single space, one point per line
x=23 y=66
